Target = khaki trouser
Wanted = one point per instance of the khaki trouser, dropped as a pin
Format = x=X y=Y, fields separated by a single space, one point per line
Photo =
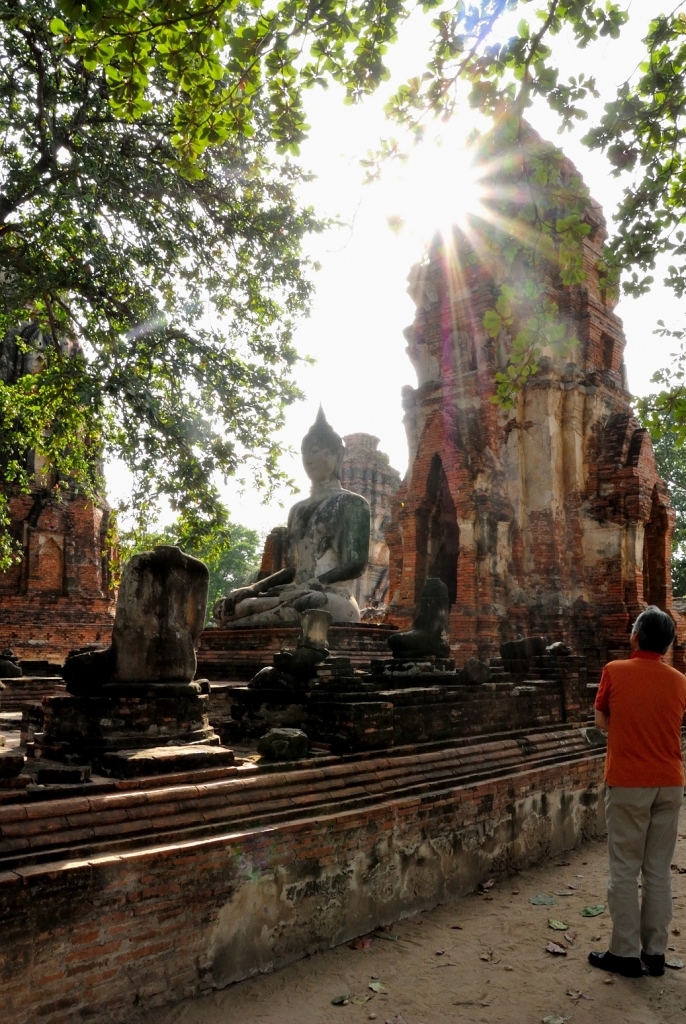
x=641 y=835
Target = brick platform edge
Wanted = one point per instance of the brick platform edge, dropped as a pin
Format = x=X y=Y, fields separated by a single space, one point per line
x=106 y=938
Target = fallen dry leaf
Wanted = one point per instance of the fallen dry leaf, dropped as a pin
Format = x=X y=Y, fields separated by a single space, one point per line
x=378 y=986
x=552 y=947
x=570 y=938
x=485 y=886
x=341 y=1000
x=608 y=981
x=576 y=994
x=557 y=926
x=675 y=963
x=360 y=1000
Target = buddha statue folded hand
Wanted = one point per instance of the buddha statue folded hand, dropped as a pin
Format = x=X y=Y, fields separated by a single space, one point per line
x=327 y=548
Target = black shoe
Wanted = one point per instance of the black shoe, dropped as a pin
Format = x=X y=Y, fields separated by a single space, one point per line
x=627 y=966
x=655 y=962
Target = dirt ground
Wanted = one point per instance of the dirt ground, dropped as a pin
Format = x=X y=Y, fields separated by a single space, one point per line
x=481 y=958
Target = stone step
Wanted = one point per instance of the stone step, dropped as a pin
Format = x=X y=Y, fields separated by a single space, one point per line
x=38 y=831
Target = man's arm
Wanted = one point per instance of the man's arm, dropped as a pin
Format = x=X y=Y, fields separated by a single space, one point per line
x=602 y=721
x=602 y=702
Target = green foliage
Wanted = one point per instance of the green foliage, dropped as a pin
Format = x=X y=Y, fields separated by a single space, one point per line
x=644 y=131
x=670 y=457
x=215 y=85
x=180 y=290
x=232 y=556
x=44 y=413
x=222 y=57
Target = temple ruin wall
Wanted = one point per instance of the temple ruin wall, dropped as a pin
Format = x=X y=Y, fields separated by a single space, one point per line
x=107 y=938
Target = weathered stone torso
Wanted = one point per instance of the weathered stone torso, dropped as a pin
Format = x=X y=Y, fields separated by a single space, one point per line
x=160 y=615
x=325 y=533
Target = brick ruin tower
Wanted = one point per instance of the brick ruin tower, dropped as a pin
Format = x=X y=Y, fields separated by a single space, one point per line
x=58 y=596
x=368 y=472
x=546 y=518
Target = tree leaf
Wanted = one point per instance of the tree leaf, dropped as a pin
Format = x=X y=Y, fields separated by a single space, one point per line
x=542 y=899
x=592 y=911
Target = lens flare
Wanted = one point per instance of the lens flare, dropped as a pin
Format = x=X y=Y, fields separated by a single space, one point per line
x=436 y=190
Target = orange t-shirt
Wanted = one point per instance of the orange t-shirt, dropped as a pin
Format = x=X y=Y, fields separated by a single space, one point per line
x=645 y=700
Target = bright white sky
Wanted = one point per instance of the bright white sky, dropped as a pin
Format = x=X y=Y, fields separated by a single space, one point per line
x=361 y=306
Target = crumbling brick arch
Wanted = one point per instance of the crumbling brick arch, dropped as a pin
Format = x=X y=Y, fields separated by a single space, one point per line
x=50 y=566
x=656 y=553
x=437 y=534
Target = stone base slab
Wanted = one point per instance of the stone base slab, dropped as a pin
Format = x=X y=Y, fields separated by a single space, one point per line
x=24 y=690
x=128 y=764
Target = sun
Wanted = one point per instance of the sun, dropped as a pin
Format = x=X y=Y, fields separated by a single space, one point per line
x=436 y=189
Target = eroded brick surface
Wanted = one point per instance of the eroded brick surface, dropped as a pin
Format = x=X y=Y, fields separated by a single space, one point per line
x=104 y=938
x=58 y=596
x=546 y=518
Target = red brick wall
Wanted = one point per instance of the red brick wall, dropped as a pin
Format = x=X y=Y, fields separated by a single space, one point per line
x=108 y=937
x=58 y=596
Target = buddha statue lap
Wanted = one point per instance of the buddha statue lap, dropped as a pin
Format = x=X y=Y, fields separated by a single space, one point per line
x=327 y=548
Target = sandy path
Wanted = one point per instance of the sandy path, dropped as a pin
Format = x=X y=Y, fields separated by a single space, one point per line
x=520 y=983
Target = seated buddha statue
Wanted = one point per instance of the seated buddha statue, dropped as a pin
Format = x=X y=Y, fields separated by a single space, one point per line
x=327 y=548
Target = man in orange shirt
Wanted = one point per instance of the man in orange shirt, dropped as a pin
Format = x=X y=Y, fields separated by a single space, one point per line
x=641 y=704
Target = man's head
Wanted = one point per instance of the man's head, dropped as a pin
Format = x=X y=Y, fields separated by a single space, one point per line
x=653 y=630
x=322 y=450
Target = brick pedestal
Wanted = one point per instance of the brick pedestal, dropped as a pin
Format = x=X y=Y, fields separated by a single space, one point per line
x=83 y=729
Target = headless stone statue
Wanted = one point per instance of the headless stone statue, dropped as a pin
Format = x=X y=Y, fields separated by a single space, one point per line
x=9 y=665
x=430 y=633
x=134 y=707
x=327 y=548
x=160 y=615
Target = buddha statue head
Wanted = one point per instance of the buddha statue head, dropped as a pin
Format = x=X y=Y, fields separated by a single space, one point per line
x=322 y=451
